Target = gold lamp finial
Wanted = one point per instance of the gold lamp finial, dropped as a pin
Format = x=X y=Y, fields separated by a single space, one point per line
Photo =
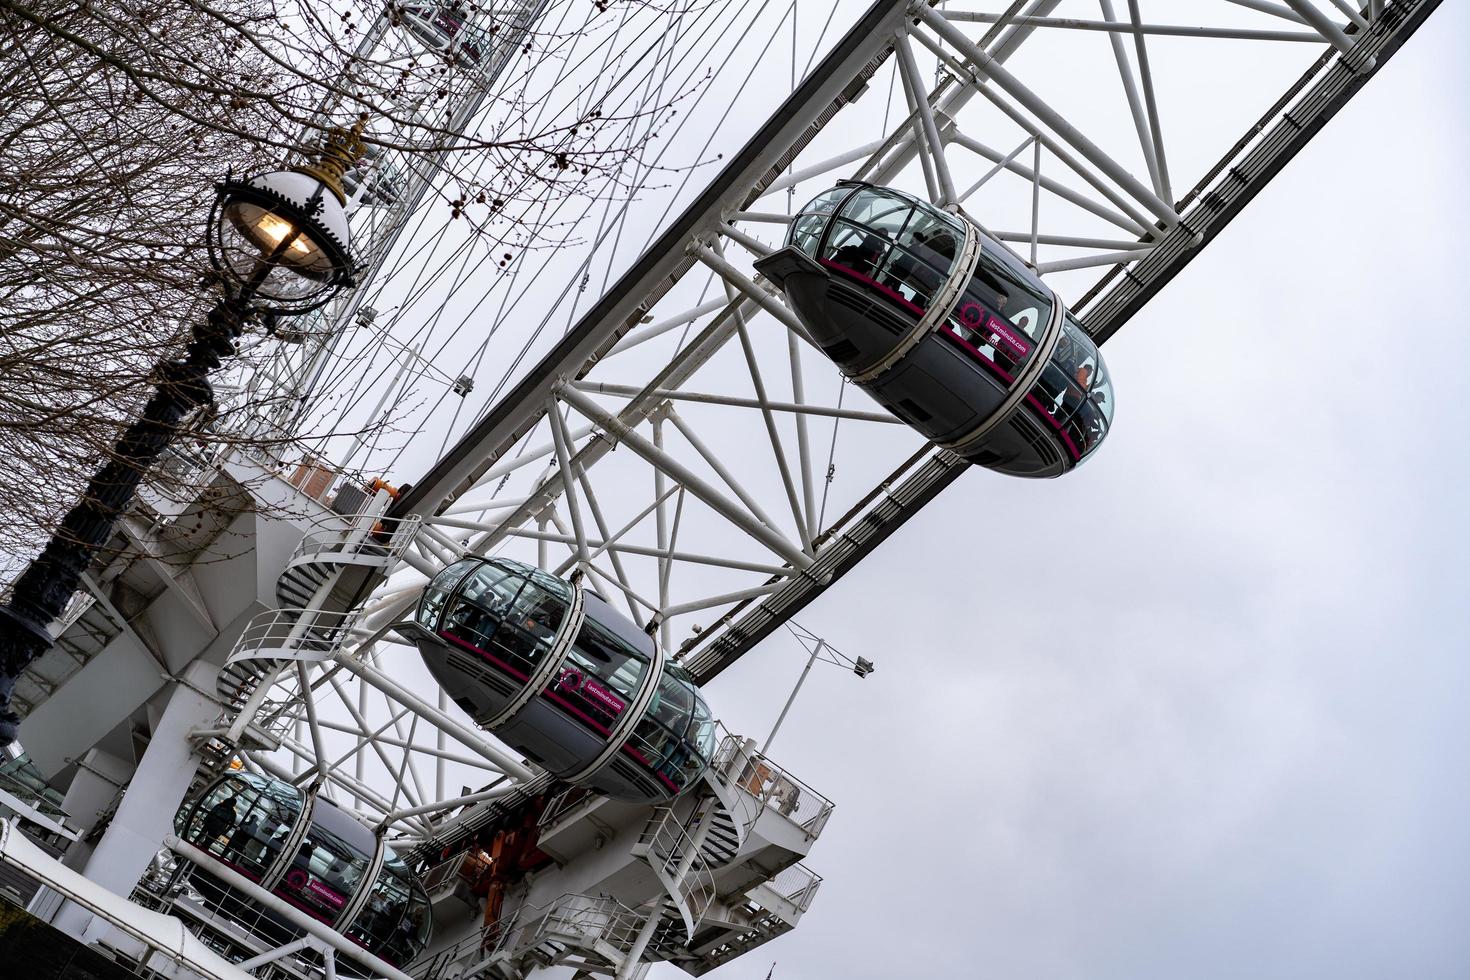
x=339 y=151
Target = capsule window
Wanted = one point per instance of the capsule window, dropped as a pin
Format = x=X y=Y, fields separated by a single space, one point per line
x=1023 y=300
x=243 y=821
x=910 y=278
x=857 y=249
x=1055 y=392
x=326 y=869
x=884 y=213
x=1101 y=394
x=601 y=675
x=510 y=617
x=675 y=737
x=934 y=237
x=826 y=202
x=395 y=919
x=438 y=591
x=806 y=232
x=1076 y=355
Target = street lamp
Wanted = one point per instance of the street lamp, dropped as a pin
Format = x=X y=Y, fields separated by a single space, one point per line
x=862 y=667
x=279 y=244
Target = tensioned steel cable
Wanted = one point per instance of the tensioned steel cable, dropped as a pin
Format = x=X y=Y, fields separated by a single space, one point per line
x=542 y=108
x=345 y=369
x=464 y=321
x=586 y=262
x=744 y=34
x=525 y=291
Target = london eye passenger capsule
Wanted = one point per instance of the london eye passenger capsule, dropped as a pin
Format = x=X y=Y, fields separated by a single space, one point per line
x=314 y=856
x=946 y=328
x=559 y=675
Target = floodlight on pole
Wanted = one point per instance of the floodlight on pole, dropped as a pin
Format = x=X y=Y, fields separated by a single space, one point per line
x=862 y=667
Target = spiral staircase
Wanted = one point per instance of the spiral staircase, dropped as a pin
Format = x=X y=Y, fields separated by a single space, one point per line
x=324 y=575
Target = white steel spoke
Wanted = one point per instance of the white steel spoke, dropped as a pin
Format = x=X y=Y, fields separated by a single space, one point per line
x=932 y=147
x=620 y=431
x=563 y=464
x=794 y=408
x=1155 y=133
x=1159 y=30
x=664 y=326
x=1135 y=103
x=1054 y=120
x=1323 y=25
x=1000 y=165
x=752 y=364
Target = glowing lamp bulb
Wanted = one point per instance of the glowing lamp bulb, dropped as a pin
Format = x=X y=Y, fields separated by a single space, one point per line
x=274 y=229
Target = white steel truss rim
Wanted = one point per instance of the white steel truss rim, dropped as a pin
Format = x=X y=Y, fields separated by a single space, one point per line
x=541 y=677
x=959 y=275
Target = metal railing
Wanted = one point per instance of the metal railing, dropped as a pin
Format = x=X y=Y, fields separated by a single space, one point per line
x=562 y=805
x=219 y=917
x=669 y=847
x=388 y=537
x=36 y=794
x=746 y=768
x=571 y=920
x=76 y=607
x=574 y=920
x=444 y=871
x=797 y=884
x=178 y=477
x=273 y=629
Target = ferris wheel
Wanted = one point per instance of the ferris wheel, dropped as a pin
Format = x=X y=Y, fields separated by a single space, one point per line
x=463 y=725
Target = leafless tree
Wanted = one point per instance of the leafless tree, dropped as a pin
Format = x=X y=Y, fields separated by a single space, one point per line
x=115 y=118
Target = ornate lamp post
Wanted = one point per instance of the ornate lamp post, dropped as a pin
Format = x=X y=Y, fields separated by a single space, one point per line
x=279 y=243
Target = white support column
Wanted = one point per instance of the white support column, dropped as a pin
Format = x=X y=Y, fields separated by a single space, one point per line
x=1035 y=200
x=1155 y=131
x=157 y=789
x=882 y=171
x=568 y=483
x=1092 y=261
x=750 y=243
x=825 y=167
x=797 y=408
x=803 y=437
x=634 y=958
x=661 y=528
x=608 y=538
x=746 y=285
x=773 y=433
x=664 y=326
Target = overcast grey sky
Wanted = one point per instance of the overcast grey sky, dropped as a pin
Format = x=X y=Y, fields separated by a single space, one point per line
x=1202 y=712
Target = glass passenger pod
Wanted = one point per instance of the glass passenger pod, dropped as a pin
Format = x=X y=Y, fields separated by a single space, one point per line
x=559 y=675
x=973 y=351
x=247 y=821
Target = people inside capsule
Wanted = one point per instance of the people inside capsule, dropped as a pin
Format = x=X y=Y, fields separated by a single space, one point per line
x=561 y=676
x=245 y=821
x=947 y=328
